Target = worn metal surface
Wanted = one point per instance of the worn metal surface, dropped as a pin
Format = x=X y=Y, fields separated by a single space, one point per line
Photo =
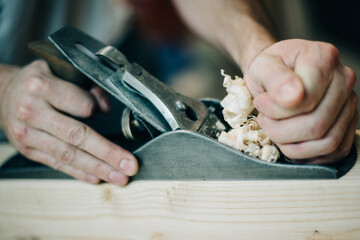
x=68 y=40
x=188 y=154
x=149 y=99
x=58 y=64
x=192 y=156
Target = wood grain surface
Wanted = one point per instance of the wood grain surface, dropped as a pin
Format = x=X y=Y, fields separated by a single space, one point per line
x=69 y=209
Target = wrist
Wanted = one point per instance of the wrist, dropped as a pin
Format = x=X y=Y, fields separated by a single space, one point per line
x=246 y=41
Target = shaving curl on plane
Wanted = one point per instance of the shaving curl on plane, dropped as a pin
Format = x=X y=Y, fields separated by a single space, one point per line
x=246 y=135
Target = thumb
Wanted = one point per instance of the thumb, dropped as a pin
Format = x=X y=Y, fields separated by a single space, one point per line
x=287 y=90
x=282 y=85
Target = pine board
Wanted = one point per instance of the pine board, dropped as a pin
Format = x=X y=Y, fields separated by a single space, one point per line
x=289 y=209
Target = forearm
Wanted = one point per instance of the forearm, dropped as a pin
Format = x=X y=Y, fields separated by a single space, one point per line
x=237 y=26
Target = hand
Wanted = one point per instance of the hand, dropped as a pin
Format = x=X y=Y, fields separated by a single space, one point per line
x=31 y=109
x=305 y=99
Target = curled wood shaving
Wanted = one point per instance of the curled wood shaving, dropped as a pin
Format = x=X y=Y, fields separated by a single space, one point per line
x=246 y=135
x=238 y=102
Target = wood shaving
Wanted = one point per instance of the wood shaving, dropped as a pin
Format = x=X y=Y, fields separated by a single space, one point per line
x=246 y=135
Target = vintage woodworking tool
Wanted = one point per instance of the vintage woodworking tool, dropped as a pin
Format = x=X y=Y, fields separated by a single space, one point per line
x=181 y=133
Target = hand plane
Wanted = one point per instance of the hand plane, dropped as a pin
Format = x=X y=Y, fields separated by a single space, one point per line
x=178 y=134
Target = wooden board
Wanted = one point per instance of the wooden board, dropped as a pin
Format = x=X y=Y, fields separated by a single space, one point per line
x=69 y=209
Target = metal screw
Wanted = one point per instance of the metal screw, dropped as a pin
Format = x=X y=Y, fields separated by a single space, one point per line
x=180 y=105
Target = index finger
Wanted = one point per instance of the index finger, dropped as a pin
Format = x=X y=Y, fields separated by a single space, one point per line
x=269 y=74
x=61 y=94
x=82 y=136
x=293 y=83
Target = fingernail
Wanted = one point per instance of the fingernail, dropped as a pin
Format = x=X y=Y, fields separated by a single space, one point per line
x=128 y=166
x=117 y=178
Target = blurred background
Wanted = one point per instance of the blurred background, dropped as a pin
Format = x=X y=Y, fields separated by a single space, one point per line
x=162 y=44
x=183 y=59
x=192 y=66
x=337 y=22
x=153 y=35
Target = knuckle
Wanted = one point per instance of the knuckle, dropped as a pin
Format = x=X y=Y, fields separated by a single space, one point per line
x=19 y=132
x=66 y=155
x=333 y=53
x=78 y=134
x=345 y=150
x=318 y=129
x=332 y=144
x=24 y=112
x=36 y=84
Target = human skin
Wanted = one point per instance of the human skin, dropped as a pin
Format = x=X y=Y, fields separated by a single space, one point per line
x=303 y=93
x=32 y=102
x=306 y=101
